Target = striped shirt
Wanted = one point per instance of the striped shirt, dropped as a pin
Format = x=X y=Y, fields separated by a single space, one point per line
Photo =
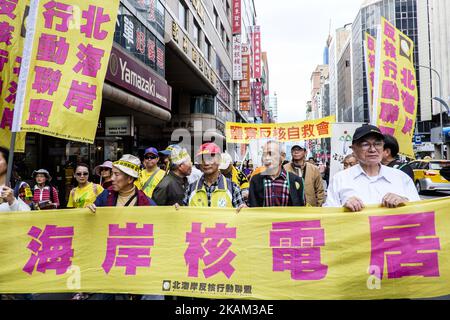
x=43 y=194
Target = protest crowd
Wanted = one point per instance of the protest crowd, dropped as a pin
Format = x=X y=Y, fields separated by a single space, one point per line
x=372 y=175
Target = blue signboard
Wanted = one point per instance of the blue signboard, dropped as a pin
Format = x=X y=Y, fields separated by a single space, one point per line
x=446 y=134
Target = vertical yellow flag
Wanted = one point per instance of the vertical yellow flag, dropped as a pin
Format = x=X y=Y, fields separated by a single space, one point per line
x=370 y=46
x=395 y=95
x=70 y=51
x=12 y=24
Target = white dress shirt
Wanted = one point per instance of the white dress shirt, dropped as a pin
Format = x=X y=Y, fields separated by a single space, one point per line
x=354 y=182
x=18 y=205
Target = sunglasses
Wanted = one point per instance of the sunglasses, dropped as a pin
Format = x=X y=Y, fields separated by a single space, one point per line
x=153 y=157
x=79 y=174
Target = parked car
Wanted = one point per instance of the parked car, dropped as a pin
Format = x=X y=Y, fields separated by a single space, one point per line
x=427 y=175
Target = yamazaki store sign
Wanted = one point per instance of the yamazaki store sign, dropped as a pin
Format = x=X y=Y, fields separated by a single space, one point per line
x=126 y=72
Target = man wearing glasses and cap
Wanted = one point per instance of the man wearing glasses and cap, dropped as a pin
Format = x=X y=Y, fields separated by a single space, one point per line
x=213 y=189
x=151 y=175
x=370 y=182
x=312 y=179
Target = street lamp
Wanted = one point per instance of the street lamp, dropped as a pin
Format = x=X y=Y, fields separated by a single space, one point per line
x=442 y=103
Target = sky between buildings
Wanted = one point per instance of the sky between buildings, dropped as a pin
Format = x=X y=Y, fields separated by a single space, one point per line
x=294 y=34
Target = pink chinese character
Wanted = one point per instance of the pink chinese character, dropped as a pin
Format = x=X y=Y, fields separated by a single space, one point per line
x=46 y=80
x=160 y=57
x=389 y=31
x=372 y=78
x=82 y=96
x=12 y=90
x=296 y=247
x=389 y=112
x=372 y=61
x=7 y=7
x=215 y=252
x=3 y=59
x=151 y=54
x=387 y=130
x=389 y=49
x=16 y=69
x=94 y=19
x=60 y=10
x=128 y=247
x=1 y=86
x=52 y=49
x=390 y=91
x=7 y=118
x=398 y=240
x=408 y=79
x=409 y=102
x=408 y=126
x=39 y=112
x=6 y=31
x=371 y=44
x=90 y=60
x=51 y=249
x=390 y=69
x=140 y=41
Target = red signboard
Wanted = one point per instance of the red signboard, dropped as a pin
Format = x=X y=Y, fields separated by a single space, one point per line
x=244 y=87
x=257 y=98
x=256 y=36
x=237 y=25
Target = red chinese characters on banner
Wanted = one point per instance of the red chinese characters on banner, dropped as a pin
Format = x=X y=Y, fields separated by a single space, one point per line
x=257 y=52
x=296 y=248
x=51 y=249
x=237 y=19
x=128 y=247
x=406 y=243
x=212 y=247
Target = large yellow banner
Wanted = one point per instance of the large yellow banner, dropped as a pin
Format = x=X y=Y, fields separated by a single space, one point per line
x=278 y=253
x=283 y=132
x=395 y=95
x=70 y=51
x=12 y=25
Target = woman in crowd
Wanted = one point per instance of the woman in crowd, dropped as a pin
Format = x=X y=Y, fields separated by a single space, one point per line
x=104 y=171
x=86 y=192
x=45 y=196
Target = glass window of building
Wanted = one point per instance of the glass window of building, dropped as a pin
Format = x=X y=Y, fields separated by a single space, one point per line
x=183 y=16
x=196 y=35
x=216 y=20
x=207 y=50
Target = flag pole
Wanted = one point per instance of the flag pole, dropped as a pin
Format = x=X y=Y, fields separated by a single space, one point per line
x=11 y=158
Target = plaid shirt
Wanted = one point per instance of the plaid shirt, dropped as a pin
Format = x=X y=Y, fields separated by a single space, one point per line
x=237 y=196
x=276 y=192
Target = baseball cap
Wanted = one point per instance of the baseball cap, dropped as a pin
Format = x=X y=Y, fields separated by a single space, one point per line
x=300 y=145
x=208 y=148
x=151 y=150
x=365 y=130
x=168 y=150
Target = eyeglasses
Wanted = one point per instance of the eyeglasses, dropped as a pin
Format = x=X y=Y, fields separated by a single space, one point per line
x=153 y=157
x=79 y=174
x=365 y=146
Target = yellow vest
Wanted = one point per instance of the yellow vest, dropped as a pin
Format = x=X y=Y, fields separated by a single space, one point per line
x=222 y=197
